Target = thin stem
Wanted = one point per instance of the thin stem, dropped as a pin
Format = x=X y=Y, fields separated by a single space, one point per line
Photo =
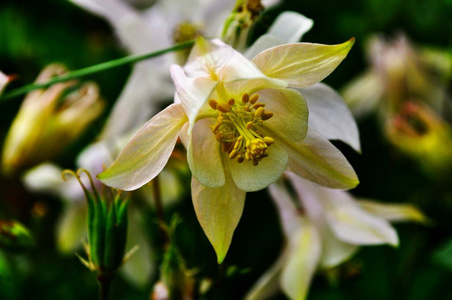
x=159 y=209
x=94 y=69
x=104 y=281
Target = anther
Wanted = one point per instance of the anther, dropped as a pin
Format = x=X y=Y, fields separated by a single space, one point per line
x=255 y=162
x=257 y=105
x=231 y=101
x=249 y=125
x=266 y=116
x=216 y=127
x=254 y=99
x=259 y=112
x=223 y=107
x=268 y=140
x=240 y=159
x=245 y=98
x=233 y=154
x=213 y=103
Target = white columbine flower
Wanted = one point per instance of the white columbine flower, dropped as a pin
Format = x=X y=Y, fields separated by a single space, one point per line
x=323 y=228
x=242 y=125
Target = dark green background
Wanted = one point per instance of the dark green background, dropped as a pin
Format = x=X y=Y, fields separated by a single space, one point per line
x=35 y=33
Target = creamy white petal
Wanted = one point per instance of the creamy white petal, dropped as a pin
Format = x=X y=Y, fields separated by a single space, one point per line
x=71 y=227
x=47 y=178
x=329 y=115
x=352 y=224
x=147 y=152
x=220 y=61
x=310 y=197
x=394 y=212
x=263 y=42
x=317 y=160
x=204 y=156
x=146 y=87
x=289 y=214
x=363 y=94
x=193 y=92
x=218 y=211
x=290 y=113
x=254 y=178
x=289 y=27
x=303 y=258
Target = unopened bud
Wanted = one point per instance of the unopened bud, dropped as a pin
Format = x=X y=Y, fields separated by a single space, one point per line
x=49 y=120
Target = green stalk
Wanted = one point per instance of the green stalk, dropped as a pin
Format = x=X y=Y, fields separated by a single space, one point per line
x=94 y=69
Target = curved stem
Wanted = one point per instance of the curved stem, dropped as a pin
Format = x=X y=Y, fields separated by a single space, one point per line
x=94 y=69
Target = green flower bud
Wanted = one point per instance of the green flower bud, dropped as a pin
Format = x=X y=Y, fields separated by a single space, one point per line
x=107 y=227
x=14 y=236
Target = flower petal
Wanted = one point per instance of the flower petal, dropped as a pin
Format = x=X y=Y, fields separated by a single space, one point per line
x=363 y=94
x=289 y=27
x=254 y=178
x=354 y=225
x=290 y=113
x=218 y=211
x=71 y=228
x=303 y=258
x=138 y=101
x=317 y=160
x=192 y=92
x=288 y=213
x=310 y=194
x=302 y=64
x=330 y=116
x=147 y=152
x=394 y=212
x=220 y=62
x=204 y=156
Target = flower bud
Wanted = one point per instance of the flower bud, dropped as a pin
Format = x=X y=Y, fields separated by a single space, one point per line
x=107 y=227
x=49 y=119
x=4 y=80
x=237 y=25
x=14 y=236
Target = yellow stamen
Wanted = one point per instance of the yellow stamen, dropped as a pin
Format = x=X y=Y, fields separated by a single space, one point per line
x=238 y=128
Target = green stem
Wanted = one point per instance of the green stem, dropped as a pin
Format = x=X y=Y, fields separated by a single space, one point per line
x=94 y=69
x=104 y=280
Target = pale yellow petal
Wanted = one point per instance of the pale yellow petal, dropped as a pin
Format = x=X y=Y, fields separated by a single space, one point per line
x=147 y=152
x=204 y=156
x=394 y=212
x=218 y=211
x=317 y=160
x=254 y=178
x=302 y=64
x=290 y=113
x=302 y=262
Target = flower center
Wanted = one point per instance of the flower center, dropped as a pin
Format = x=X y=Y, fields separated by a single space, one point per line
x=237 y=128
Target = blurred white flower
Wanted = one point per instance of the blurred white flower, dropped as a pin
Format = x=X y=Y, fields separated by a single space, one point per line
x=323 y=228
